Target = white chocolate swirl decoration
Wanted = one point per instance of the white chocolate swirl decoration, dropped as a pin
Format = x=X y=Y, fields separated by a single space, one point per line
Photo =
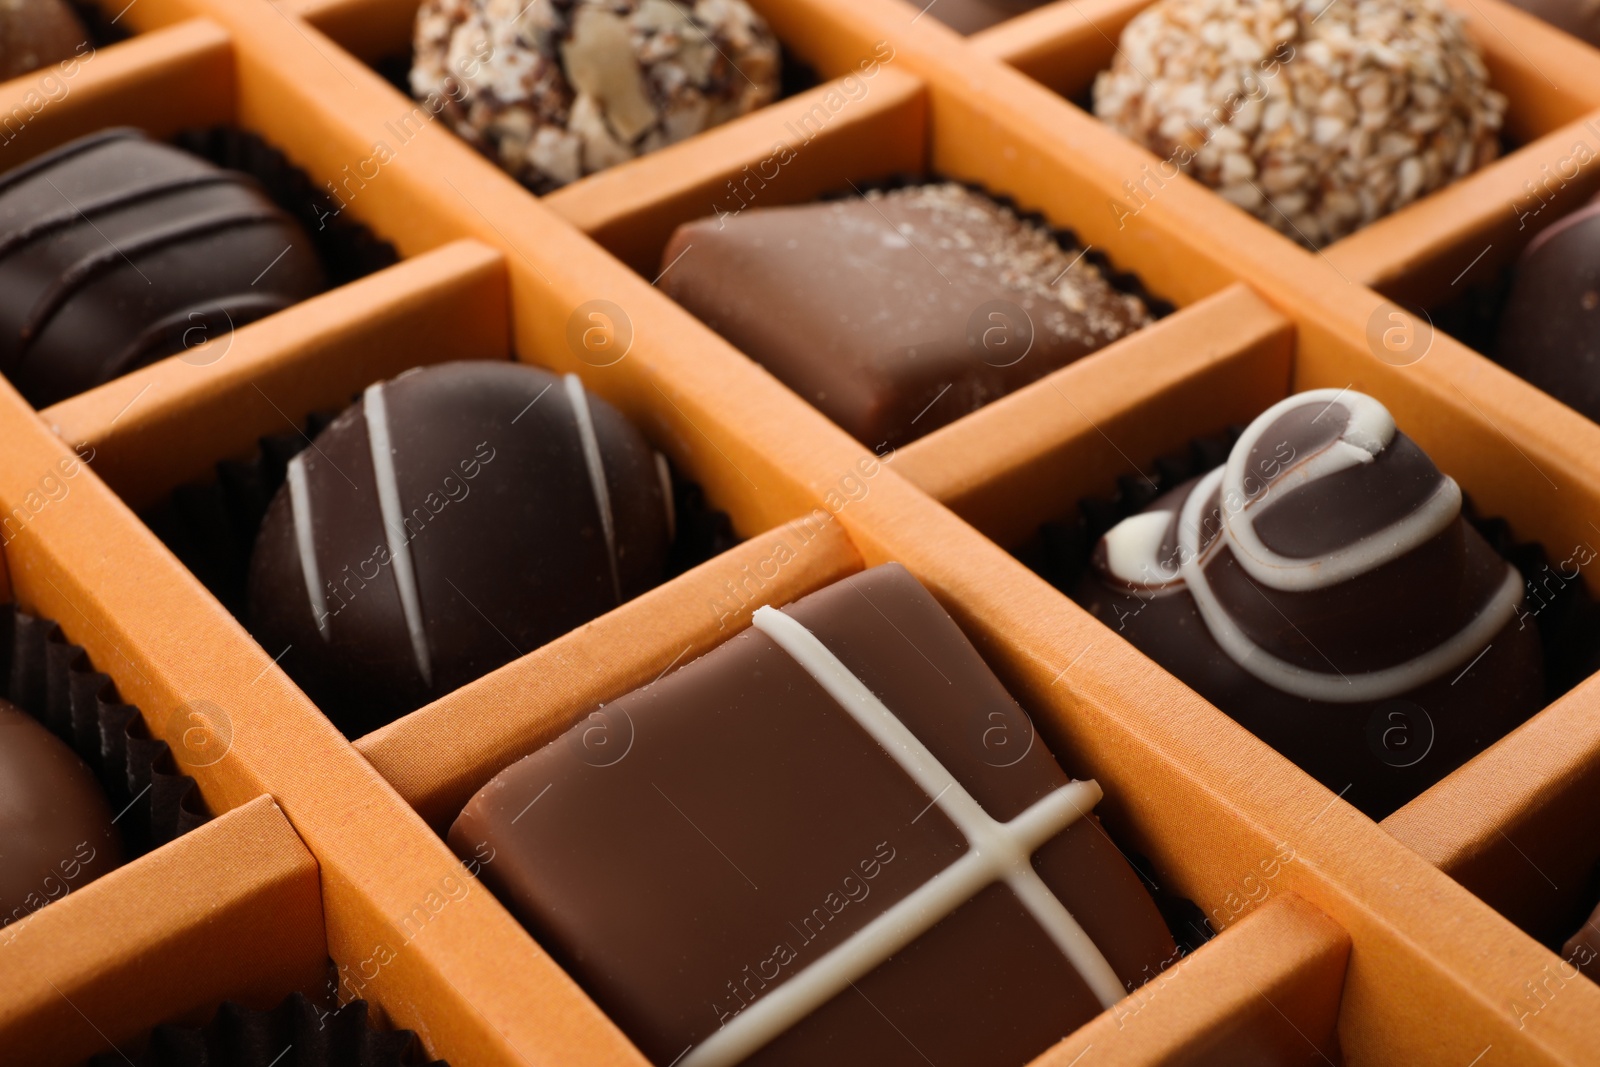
x=1327 y=557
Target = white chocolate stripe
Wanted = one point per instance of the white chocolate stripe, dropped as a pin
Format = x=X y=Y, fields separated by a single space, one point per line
x=597 y=473
x=1369 y=430
x=405 y=577
x=996 y=852
x=306 y=543
x=1331 y=688
x=664 y=472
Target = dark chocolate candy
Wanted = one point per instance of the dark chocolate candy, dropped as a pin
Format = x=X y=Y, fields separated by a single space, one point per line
x=38 y=33
x=730 y=862
x=116 y=251
x=1550 y=326
x=970 y=16
x=896 y=313
x=56 y=834
x=1322 y=589
x=455 y=518
x=1582 y=949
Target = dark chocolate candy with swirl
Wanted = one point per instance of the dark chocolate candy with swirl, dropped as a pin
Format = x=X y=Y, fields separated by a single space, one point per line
x=1549 y=331
x=1323 y=589
x=56 y=834
x=116 y=251
x=453 y=519
x=833 y=839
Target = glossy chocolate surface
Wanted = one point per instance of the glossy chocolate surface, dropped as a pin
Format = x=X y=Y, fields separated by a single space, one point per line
x=56 y=834
x=116 y=251
x=1550 y=326
x=689 y=849
x=1323 y=590
x=492 y=528
x=970 y=16
x=898 y=312
x=38 y=33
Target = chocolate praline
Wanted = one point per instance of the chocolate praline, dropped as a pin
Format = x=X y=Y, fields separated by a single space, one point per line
x=36 y=33
x=453 y=519
x=1581 y=18
x=1323 y=589
x=896 y=312
x=56 y=834
x=116 y=251
x=833 y=839
x=1549 y=331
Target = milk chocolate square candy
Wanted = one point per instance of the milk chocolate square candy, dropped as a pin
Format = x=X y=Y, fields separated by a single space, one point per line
x=833 y=839
x=896 y=312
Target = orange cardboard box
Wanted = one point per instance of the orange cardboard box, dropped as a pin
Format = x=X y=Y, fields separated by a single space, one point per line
x=1417 y=941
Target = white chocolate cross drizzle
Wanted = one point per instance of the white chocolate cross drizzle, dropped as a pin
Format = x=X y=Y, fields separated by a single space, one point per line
x=405 y=576
x=1133 y=549
x=996 y=851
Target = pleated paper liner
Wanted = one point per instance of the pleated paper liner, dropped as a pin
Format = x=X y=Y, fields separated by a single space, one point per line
x=1567 y=615
x=348 y=249
x=53 y=681
x=212 y=527
x=295 y=1033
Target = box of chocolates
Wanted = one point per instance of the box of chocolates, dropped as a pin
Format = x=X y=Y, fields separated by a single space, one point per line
x=703 y=532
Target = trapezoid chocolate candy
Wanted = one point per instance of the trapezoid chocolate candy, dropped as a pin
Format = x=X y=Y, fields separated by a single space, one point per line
x=455 y=518
x=896 y=312
x=833 y=839
x=116 y=251
x=1322 y=588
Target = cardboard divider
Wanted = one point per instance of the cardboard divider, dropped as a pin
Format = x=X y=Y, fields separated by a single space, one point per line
x=1520 y=824
x=1264 y=994
x=163 y=82
x=439 y=756
x=858 y=129
x=1032 y=455
x=265 y=378
x=231 y=911
x=1062 y=45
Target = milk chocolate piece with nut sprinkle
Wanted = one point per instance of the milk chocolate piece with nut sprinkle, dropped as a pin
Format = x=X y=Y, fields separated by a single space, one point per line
x=766 y=854
x=56 y=834
x=900 y=311
x=38 y=33
x=1323 y=589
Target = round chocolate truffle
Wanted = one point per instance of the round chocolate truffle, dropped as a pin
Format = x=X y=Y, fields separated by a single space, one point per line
x=1316 y=116
x=453 y=519
x=116 y=251
x=1549 y=331
x=37 y=33
x=1323 y=589
x=56 y=834
x=556 y=89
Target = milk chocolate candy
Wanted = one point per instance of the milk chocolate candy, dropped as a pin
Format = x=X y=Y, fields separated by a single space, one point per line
x=896 y=313
x=970 y=16
x=833 y=839
x=38 y=33
x=56 y=834
x=1550 y=326
x=116 y=251
x=1581 y=18
x=454 y=519
x=1323 y=589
